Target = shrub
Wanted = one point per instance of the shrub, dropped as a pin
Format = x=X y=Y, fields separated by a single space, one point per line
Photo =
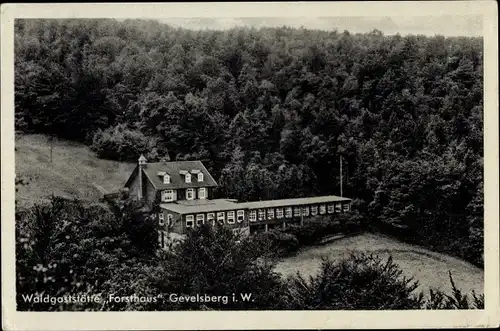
x=278 y=242
x=123 y=144
x=458 y=300
x=357 y=282
x=137 y=223
x=363 y=281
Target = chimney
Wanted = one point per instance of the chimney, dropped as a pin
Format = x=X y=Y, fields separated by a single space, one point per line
x=142 y=163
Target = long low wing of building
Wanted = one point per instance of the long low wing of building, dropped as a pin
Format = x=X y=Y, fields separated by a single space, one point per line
x=180 y=216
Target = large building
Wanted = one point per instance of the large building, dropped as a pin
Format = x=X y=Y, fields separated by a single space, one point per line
x=183 y=193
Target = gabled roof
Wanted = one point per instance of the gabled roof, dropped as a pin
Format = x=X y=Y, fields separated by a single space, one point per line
x=174 y=169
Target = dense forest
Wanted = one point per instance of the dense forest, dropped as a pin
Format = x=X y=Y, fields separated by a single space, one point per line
x=272 y=111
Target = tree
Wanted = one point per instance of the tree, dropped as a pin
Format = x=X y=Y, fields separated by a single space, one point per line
x=73 y=248
x=219 y=262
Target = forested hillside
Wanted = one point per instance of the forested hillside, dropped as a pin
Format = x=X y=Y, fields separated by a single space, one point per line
x=271 y=111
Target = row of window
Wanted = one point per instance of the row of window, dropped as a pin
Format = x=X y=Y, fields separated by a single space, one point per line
x=290 y=212
x=260 y=214
x=170 y=195
x=221 y=218
x=166 y=177
x=199 y=177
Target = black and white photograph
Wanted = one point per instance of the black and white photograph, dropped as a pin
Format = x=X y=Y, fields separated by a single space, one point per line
x=230 y=163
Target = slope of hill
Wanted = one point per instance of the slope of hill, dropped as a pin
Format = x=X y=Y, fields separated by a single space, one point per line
x=75 y=172
x=429 y=268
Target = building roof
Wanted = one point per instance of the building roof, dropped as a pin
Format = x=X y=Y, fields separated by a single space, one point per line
x=207 y=206
x=176 y=170
x=293 y=202
x=200 y=206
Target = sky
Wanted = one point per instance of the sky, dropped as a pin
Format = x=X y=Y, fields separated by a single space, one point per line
x=427 y=25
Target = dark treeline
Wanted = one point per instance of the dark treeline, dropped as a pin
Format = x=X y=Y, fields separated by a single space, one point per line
x=271 y=111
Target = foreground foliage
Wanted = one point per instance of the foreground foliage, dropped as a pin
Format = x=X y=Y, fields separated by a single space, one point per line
x=218 y=262
x=359 y=282
x=70 y=248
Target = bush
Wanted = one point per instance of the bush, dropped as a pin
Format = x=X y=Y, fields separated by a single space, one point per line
x=123 y=144
x=364 y=281
x=458 y=300
x=358 y=282
x=137 y=223
x=279 y=243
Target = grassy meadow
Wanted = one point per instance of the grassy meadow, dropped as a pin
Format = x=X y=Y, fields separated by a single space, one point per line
x=75 y=172
x=430 y=268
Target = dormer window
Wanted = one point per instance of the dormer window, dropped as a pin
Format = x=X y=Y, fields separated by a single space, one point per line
x=165 y=176
x=186 y=174
x=198 y=174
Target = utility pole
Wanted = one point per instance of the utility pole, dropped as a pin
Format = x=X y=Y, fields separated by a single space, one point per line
x=341 y=176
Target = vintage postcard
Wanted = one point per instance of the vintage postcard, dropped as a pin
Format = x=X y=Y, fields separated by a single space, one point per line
x=265 y=165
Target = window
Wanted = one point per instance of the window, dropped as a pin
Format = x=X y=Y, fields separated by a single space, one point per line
x=189 y=194
x=346 y=207
x=305 y=211
x=169 y=219
x=322 y=209
x=220 y=218
x=167 y=195
x=161 y=220
x=202 y=193
x=189 y=221
x=200 y=177
x=262 y=214
x=188 y=178
x=331 y=209
x=166 y=179
x=211 y=218
x=296 y=212
x=240 y=216
x=270 y=214
x=314 y=210
x=279 y=213
x=252 y=216
x=288 y=212
x=200 y=219
x=338 y=207
x=230 y=217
